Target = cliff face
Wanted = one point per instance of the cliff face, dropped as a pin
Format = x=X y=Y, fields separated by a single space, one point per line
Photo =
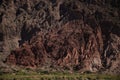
x=73 y=45
x=82 y=35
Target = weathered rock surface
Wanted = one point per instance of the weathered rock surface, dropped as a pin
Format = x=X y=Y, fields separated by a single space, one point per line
x=82 y=35
x=74 y=46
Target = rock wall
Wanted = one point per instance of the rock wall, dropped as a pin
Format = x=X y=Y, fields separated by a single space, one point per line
x=74 y=46
x=78 y=35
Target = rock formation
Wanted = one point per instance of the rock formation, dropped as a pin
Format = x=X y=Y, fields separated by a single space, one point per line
x=82 y=35
x=75 y=46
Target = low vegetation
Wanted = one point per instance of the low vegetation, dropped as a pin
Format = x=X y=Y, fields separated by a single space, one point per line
x=45 y=75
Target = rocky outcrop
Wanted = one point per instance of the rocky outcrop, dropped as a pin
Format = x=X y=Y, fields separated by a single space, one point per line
x=112 y=54
x=80 y=35
x=75 y=46
x=21 y=18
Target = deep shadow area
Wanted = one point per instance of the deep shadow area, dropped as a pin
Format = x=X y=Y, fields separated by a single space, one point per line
x=1 y=1
x=1 y=37
x=70 y=12
x=27 y=34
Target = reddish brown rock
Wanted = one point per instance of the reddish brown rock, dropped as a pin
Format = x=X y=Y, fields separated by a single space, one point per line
x=74 y=44
x=23 y=56
x=61 y=33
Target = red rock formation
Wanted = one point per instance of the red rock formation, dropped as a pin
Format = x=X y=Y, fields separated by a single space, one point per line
x=64 y=33
x=74 y=44
x=23 y=56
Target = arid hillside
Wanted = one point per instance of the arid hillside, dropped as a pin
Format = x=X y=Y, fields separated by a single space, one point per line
x=73 y=35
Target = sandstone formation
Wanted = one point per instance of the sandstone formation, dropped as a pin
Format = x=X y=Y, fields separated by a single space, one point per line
x=81 y=35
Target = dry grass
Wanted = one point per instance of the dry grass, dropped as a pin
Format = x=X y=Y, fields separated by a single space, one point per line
x=56 y=76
